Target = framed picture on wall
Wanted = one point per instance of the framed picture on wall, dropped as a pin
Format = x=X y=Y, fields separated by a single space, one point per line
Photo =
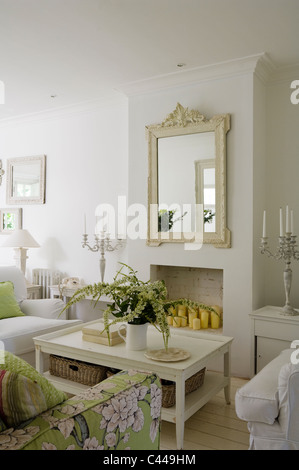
x=26 y=180
x=10 y=219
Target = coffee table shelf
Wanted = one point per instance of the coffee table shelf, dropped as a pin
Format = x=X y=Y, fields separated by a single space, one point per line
x=68 y=386
x=213 y=383
x=202 y=348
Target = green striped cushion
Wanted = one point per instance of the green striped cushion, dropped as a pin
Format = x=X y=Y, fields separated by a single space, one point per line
x=52 y=395
x=20 y=398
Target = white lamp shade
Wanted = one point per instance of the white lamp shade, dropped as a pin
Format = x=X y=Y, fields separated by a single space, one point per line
x=20 y=239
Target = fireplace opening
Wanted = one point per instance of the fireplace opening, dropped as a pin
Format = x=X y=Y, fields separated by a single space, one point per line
x=202 y=285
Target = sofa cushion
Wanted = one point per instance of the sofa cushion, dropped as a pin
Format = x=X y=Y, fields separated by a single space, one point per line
x=288 y=386
x=21 y=398
x=51 y=396
x=15 y=275
x=17 y=333
x=9 y=306
x=44 y=308
x=258 y=399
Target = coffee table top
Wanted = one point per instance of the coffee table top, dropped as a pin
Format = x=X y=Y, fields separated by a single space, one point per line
x=69 y=343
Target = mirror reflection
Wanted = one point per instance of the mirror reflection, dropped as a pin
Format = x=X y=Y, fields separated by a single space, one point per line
x=26 y=180
x=186 y=176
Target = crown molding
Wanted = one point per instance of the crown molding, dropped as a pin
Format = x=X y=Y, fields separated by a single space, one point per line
x=191 y=76
x=265 y=68
x=111 y=99
x=260 y=65
x=268 y=72
x=285 y=74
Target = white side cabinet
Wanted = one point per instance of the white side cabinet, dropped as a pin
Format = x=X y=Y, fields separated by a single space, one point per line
x=271 y=333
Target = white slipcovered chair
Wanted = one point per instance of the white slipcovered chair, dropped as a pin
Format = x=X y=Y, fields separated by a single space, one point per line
x=41 y=316
x=269 y=402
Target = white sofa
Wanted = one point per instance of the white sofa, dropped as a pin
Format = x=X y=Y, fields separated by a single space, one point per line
x=41 y=316
x=269 y=402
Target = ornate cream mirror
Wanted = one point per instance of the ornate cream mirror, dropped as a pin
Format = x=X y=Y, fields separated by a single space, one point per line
x=26 y=180
x=187 y=179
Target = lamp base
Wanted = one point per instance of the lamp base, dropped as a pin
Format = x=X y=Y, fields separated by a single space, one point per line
x=20 y=259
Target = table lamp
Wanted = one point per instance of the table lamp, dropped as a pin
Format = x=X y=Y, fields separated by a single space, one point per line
x=20 y=240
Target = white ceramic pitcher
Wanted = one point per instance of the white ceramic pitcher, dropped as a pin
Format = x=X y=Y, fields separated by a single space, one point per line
x=135 y=336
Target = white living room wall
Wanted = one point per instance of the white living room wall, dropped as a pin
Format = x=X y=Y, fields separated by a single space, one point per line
x=232 y=95
x=259 y=191
x=87 y=164
x=282 y=180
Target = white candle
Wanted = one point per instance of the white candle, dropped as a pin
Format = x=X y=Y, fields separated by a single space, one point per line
x=287 y=220
x=264 y=225
x=84 y=223
x=292 y=222
x=281 y=223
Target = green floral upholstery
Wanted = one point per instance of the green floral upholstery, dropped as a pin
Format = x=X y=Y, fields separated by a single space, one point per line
x=122 y=412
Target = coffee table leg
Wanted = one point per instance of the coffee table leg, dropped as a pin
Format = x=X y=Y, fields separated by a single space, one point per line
x=39 y=363
x=227 y=374
x=180 y=411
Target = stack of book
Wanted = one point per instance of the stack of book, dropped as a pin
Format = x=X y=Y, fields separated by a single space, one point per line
x=96 y=333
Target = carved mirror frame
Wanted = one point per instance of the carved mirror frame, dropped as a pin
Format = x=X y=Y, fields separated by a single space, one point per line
x=184 y=122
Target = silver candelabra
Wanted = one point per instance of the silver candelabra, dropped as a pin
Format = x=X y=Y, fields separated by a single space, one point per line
x=102 y=244
x=286 y=251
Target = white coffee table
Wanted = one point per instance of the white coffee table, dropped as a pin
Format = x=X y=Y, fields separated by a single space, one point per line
x=202 y=348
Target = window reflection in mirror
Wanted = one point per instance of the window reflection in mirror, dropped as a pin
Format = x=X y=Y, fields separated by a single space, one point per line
x=205 y=191
x=26 y=180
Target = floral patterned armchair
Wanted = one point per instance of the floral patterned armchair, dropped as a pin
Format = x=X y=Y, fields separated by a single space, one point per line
x=121 y=413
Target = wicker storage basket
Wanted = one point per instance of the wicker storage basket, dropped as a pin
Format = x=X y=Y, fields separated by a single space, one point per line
x=168 y=389
x=77 y=371
x=191 y=384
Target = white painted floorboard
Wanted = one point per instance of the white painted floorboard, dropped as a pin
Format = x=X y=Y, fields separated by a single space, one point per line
x=214 y=427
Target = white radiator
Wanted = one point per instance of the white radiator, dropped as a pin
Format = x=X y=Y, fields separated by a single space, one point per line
x=45 y=278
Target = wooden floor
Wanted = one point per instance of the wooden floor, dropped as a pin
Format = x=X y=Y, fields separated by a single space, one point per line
x=214 y=427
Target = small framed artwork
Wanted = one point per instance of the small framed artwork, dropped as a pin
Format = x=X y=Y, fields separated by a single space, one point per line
x=10 y=219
